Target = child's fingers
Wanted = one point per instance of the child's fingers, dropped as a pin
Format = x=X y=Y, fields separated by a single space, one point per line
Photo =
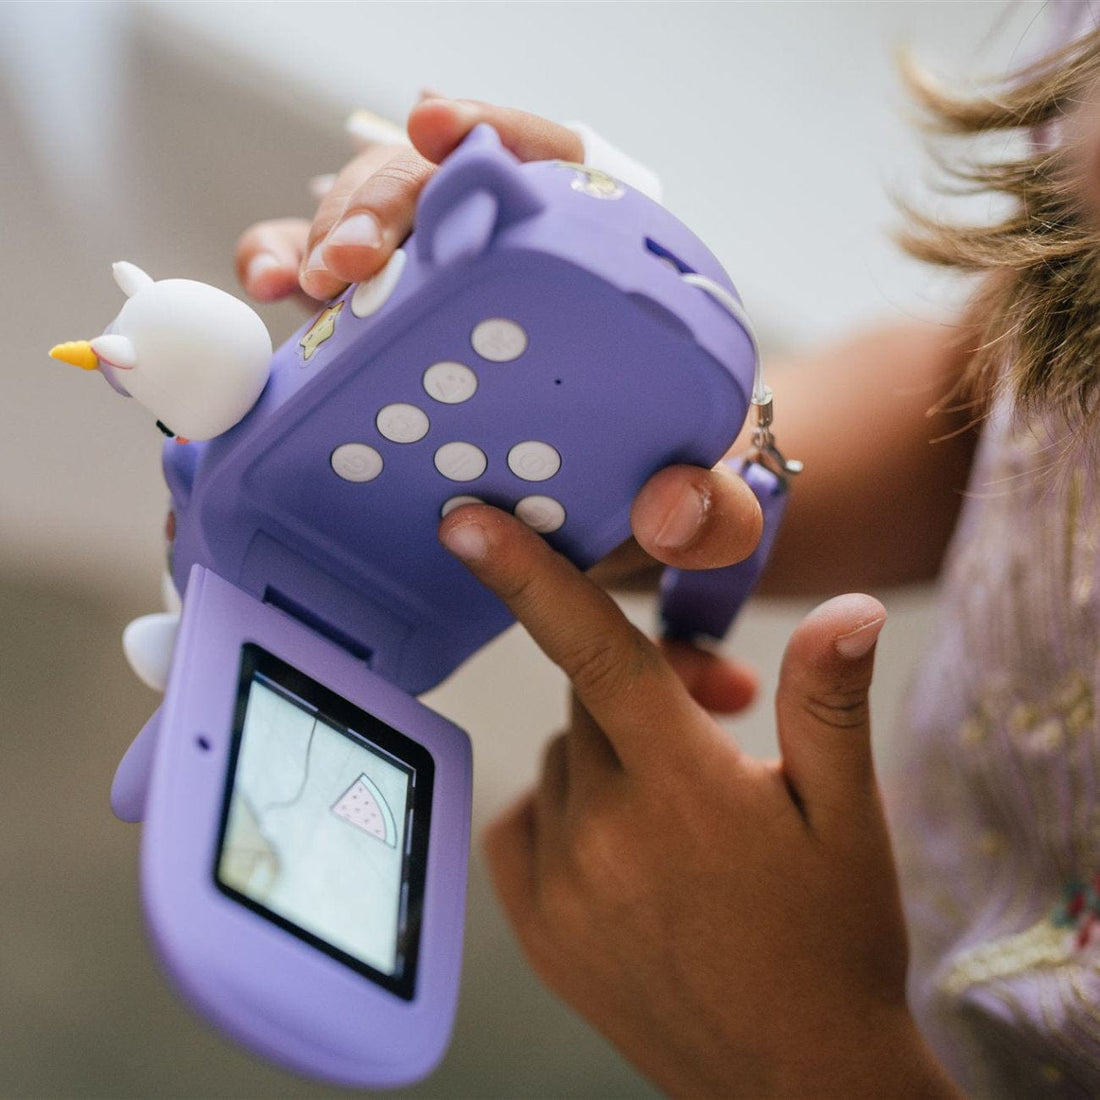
x=822 y=708
x=357 y=230
x=369 y=210
x=716 y=683
x=362 y=219
x=686 y=517
x=590 y=756
x=437 y=126
x=693 y=518
x=365 y=128
x=509 y=844
x=268 y=256
x=618 y=674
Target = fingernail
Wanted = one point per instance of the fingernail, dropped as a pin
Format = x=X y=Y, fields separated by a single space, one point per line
x=466 y=541
x=857 y=643
x=313 y=260
x=259 y=264
x=359 y=230
x=683 y=520
x=367 y=128
x=464 y=110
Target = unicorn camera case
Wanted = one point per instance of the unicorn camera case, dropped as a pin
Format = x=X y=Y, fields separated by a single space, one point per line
x=533 y=346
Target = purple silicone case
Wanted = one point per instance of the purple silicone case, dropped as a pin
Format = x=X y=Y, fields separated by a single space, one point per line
x=271 y=991
x=706 y=601
x=627 y=369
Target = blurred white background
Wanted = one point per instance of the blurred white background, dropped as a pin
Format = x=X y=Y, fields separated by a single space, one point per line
x=156 y=132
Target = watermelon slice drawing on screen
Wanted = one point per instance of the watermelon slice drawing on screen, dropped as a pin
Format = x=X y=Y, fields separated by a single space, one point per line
x=363 y=806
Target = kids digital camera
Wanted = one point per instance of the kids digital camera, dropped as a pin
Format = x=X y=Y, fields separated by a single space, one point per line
x=541 y=343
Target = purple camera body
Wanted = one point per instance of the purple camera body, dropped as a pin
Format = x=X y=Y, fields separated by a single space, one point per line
x=533 y=346
x=536 y=350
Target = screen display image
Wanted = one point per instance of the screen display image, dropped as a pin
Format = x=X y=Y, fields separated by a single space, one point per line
x=319 y=821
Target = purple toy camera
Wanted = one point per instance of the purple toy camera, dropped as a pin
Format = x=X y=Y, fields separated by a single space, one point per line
x=534 y=345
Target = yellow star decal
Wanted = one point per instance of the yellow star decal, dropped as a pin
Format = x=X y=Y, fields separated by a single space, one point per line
x=591 y=181
x=320 y=330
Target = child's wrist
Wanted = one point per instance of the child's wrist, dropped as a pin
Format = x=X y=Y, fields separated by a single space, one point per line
x=888 y=1057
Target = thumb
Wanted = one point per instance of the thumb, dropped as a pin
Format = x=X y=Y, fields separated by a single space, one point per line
x=822 y=710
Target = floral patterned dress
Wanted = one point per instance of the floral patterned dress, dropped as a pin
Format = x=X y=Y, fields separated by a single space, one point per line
x=997 y=822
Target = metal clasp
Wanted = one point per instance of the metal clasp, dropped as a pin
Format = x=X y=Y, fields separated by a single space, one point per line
x=763 y=441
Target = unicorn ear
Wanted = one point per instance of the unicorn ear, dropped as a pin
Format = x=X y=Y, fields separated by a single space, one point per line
x=130 y=278
x=116 y=350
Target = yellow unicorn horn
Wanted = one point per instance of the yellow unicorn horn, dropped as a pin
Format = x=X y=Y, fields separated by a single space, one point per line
x=77 y=352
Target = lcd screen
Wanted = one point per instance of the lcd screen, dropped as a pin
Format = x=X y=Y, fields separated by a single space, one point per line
x=324 y=826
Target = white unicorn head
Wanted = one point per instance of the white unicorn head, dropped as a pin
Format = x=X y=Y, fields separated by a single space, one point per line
x=196 y=357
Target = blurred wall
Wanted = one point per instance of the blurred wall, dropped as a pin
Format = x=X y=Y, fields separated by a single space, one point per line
x=155 y=133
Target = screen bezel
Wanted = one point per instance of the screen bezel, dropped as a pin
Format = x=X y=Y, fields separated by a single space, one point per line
x=373 y=733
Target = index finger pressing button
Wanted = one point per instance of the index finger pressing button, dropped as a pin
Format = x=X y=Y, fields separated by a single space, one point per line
x=542 y=514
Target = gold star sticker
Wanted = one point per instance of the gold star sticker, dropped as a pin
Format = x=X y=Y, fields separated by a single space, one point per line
x=320 y=330
x=591 y=181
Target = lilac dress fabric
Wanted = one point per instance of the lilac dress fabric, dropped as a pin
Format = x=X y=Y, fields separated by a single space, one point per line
x=996 y=811
x=997 y=820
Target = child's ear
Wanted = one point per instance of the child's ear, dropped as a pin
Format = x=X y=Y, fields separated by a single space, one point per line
x=116 y=350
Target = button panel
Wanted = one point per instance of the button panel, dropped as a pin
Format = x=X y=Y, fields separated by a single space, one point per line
x=451 y=382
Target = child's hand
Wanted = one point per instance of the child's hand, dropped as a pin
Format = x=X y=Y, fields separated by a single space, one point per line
x=732 y=926
x=369 y=210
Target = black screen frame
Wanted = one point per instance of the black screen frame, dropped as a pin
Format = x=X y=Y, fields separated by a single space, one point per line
x=372 y=733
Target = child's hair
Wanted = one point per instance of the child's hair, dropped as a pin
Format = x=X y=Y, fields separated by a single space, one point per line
x=1034 y=321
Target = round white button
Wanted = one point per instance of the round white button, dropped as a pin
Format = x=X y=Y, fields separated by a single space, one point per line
x=499 y=340
x=457 y=502
x=542 y=514
x=356 y=462
x=371 y=296
x=534 y=461
x=460 y=461
x=402 y=423
x=451 y=383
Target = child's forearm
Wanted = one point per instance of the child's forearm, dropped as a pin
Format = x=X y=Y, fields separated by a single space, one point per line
x=878 y=499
